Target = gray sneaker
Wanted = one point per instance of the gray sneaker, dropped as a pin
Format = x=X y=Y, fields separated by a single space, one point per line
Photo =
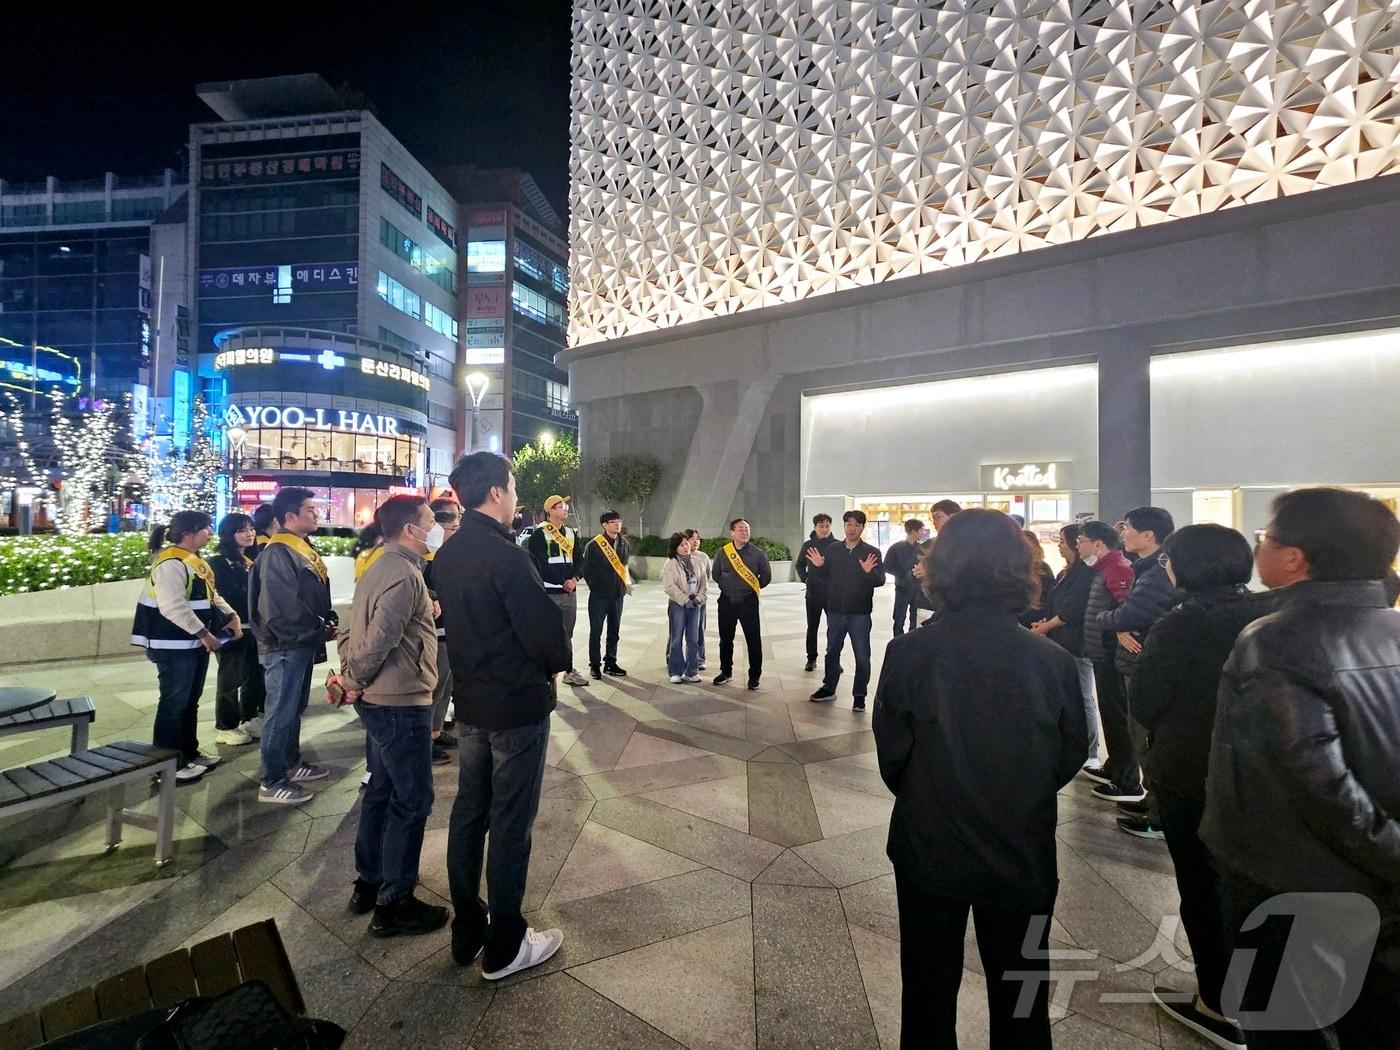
x=575 y=679
x=306 y=771
x=285 y=795
x=535 y=947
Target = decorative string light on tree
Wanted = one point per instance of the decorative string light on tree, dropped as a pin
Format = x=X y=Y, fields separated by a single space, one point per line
x=183 y=479
x=88 y=444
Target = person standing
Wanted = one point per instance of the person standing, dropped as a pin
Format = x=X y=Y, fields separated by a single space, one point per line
x=705 y=567
x=852 y=571
x=741 y=573
x=447 y=518
x=978 y=724
x=388 y=669
x=368 y=546
x=1040 y=609
x=941 y=511
x=289 y=597
x=238 y=698
x=505 y=641
x=558 y=557
x=1120 y=777
x=900 y=560
x=1151 y=595
x=266 y=525
x=605 y=571
x=684 y=584
x=177 y=618
x=820 y=539
x=1173 y=695
x=1302 y=795
x=1065 y=627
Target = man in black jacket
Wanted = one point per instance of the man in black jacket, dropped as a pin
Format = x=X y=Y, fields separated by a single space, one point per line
x=899 y=563
x=739 y=586
x=820 y=539
x=605 y=572
x=1302 y=796
x=852 y=571
x=505 y=642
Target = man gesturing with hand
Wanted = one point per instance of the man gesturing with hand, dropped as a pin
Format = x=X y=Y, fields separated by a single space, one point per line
x=852 y=571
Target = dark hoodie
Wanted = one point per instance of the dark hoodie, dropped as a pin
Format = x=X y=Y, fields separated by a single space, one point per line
x=816 y=583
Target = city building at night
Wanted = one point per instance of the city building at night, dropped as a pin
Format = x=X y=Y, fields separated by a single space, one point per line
x=1057 y=259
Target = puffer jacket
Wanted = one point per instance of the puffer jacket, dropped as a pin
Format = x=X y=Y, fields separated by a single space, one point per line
x=1113 y=576
x=1151 y=595
x=1303 y=793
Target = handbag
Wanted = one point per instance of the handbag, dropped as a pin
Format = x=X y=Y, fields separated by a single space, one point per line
x=246 y=1016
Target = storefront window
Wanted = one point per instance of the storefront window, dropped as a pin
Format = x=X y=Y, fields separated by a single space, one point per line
x=1214 y=507
x=318 y=451
x=284 y=450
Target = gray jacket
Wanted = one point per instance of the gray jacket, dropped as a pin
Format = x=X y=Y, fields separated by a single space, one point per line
x=288 y=603
x=389 y=649
x=731 y=585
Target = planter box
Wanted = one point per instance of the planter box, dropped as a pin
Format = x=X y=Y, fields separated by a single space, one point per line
x=650 y=569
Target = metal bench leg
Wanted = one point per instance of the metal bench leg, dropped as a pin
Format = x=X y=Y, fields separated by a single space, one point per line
x=80 y=737
x=165 y=817
x=116 y=801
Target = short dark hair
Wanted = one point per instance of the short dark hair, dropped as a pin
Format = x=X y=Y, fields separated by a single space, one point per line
x=1344 y=535
x=674 y=543
x=981 y=560
x=396 y=512
x=232 y=524
x=913 y=525
x=445 y=510
x=289 y=501
x=854 y=515
x=1209 y=556
x=262 y=517
x=476 y=475
x=745 y=521
x=817 y=519
x=1019 y=519
x=1151 y=519
x=609 y=515
x=947 y=506
x=1070 y=534
x=1102 y=532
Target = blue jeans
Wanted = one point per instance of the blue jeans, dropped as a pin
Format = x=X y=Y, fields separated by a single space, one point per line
x=398 y=799
x=498 y=790
x=287 y=678
x=602 y=610
x=838 y=627
x=906 y=607
x=180 y=675
x=1091 y=705
x=683 y=657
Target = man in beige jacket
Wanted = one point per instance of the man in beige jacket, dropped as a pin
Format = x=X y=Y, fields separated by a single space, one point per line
x=388 y=660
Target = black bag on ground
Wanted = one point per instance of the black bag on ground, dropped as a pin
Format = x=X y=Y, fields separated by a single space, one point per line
x=246 y=1016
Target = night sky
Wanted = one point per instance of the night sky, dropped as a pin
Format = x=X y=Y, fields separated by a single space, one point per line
x=469 y=81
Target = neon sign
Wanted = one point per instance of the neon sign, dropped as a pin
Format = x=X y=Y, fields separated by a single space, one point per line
x=327 y=359
x=294 y=417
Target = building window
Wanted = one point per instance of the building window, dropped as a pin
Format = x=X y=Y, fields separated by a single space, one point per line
x=440 y=461
x=486 y=256
x=440 y=367
x=323 y=450
x=37 y=215
x=537 y=307
x=394 y=339
x=68 y=212
x=440 y=321
x=437 y=265
x=399 y=297
x=556 y=395
x=128 y=208
x=442 y=415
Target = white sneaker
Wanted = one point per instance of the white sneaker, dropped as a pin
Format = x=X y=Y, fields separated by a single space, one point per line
x=676 y=679
x=691 y=679
x=188 y=773
x=253 y=727
x=207 y=761
x=701 y=665
x=575 y=679
x=535 y=948
x=306 y=771
x=232 y=737
x=287 y=795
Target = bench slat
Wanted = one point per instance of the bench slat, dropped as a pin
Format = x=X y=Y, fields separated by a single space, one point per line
x=101 y=761
x=77 y=766
x=171 y=979
x=56 y=774
x=82 y=705
x=69 y=1014
x=116 y=754
x=215 y=964
x=31 y=783
x=135 y=747
x=123 y=995
x=9 y=793
x=262 y=957
x=21 y=1033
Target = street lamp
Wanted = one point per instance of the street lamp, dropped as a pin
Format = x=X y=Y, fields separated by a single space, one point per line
x=546 y=439
x=477 y=383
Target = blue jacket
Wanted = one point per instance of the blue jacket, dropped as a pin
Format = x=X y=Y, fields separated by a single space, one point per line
x=1149 y=599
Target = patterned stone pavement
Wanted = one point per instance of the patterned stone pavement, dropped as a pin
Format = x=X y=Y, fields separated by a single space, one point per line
x=715 y=858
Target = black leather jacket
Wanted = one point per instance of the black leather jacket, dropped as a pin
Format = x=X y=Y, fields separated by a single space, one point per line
x=1304 y=786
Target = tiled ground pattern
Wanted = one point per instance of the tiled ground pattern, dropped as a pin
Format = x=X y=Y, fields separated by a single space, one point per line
x=715 y=858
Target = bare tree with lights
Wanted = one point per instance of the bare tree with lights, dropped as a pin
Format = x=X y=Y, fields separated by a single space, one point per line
x=88 y=448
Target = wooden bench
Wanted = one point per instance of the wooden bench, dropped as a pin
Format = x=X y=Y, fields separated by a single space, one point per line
x=77 y=712
x=109 y=768
x=210 y=968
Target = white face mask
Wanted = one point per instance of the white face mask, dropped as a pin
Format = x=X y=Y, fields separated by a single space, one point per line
x=433 y=538
x=1091 y=559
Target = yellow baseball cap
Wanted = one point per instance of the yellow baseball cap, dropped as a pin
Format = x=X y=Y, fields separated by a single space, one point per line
x=553 y=502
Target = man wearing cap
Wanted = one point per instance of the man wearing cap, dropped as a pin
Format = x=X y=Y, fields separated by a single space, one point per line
x=605 y=572
x=559 y=558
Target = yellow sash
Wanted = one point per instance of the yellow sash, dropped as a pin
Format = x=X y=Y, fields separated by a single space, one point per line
x=306 y=551
x=565 y=544
x=613 y=559
x=743 y=570
x=365 y=559
x=196 y=565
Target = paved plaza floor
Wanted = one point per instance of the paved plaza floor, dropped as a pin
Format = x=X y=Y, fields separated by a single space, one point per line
x=715 y=858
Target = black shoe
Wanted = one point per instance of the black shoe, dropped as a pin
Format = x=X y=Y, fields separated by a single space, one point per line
x=407 y=916
x=723 y=677
x=1141 y=827
x=822 y=695
x=440 y=755
x=858 y=704
x=446 y=739
x=597 y=674
x=1134 y=809
x=811 y=665
x=1181 y=1007
x=614 y=671
x=1097 y=774
x=1114 y=793
x=362 y=897
x=466 y=950
x=753 y=684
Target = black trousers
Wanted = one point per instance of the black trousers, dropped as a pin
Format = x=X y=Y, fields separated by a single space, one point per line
x=1137 y=732
x=239 y=695
x=931 y=932
x=1198 y=883
x=603 y=611
x=740 y=614
x=816 y=605
x=1122 y=766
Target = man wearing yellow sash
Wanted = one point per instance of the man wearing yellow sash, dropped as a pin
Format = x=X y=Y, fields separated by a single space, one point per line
x=289 y=602
x=741 y=571
x=605 y=572
x=558 y=557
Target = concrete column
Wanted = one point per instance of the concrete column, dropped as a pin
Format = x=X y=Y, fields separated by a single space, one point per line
x=1125 y=430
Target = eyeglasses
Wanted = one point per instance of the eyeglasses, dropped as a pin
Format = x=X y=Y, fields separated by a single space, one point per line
x=1163 y=558
x=1260 y=535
